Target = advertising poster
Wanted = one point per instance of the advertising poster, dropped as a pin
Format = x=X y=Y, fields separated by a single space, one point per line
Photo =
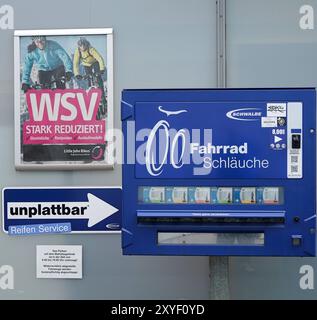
x=63 y=99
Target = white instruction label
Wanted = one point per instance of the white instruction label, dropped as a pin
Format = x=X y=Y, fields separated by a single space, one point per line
x=276 y=109
x=59 y=262
x=269 y=122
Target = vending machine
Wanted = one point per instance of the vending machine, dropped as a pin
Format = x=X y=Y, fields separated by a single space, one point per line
x=219 y=172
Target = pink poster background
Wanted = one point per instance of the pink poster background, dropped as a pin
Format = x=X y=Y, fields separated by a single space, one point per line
x=63 y=117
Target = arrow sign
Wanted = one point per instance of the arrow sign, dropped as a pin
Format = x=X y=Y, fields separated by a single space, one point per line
x=98 y=210
x=277 y=139
x=86 y=209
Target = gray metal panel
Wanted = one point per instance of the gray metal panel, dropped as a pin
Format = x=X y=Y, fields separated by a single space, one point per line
x=221 y=44
x=219 y=266
x=156 y=44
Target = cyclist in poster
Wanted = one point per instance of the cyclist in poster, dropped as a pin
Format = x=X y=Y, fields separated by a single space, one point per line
x=94 y=67
x=51 y=60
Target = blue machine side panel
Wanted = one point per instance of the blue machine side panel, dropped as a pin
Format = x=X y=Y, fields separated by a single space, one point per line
x=269 y=133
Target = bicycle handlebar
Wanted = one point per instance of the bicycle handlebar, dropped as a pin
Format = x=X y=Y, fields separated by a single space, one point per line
x=37 y=85
x=87 y=76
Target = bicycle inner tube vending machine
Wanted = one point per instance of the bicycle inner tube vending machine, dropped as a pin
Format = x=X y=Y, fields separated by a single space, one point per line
x=219 y=172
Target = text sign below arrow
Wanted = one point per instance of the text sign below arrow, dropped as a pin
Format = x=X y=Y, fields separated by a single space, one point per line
x=89 y=210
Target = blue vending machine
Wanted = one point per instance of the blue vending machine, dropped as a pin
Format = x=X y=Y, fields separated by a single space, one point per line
x=219 y=172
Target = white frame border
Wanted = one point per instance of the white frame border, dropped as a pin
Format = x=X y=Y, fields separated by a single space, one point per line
x=109 y=124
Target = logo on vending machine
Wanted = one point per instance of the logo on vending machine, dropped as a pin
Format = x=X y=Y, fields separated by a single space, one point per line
x=150 y=156
x=245 y=114
x=171 y=144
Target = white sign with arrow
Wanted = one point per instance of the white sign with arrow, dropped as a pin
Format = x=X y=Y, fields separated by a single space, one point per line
x=95 y=210
x=97 y=214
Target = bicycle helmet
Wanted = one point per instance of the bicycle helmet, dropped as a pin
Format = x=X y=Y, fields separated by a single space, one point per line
x=83 y=42
x=40 y=38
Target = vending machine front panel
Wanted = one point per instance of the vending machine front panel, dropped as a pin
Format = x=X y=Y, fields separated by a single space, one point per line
x=219 y=172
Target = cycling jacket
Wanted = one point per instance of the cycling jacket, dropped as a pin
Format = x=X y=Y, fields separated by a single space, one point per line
x=52 y=57
x=87 y=58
